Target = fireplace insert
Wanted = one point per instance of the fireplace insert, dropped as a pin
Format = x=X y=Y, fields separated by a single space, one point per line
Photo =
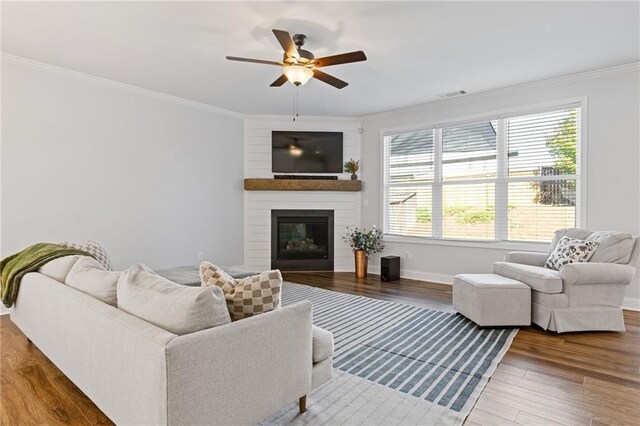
x=302 y=240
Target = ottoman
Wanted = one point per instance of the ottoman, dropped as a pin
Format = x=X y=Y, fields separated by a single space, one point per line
x=492 y=300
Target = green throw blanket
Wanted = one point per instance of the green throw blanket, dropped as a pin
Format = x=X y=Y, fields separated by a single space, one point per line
x=14 y=267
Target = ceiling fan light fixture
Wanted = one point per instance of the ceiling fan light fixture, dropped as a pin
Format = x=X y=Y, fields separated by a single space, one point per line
x=295 y=150
x=297 y=74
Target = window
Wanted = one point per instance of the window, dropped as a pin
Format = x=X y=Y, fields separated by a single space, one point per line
x=511 y=178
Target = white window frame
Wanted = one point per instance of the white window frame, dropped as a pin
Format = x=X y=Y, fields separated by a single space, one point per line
x=500 y=242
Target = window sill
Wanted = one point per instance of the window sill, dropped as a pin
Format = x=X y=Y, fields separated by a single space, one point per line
x=490 y=245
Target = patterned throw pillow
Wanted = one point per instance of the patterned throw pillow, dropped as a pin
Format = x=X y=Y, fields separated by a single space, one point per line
x=570 y=250
x=94 y=249
x=245 y=297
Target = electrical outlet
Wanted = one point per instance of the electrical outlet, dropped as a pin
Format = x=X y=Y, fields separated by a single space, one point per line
x=407 y=254
x=200 y=256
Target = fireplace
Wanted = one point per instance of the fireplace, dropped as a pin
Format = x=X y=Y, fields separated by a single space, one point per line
x=302 y=240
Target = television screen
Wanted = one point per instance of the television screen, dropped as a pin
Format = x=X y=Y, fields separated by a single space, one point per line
x=306 y=152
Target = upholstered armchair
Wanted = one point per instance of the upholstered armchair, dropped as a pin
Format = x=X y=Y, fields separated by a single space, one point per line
x=580 y=296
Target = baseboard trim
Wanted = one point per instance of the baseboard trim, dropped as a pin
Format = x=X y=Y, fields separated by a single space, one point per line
x=631 y=304
x=419 y=275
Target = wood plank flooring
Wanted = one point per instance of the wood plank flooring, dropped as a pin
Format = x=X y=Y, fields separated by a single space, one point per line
x=545 y=378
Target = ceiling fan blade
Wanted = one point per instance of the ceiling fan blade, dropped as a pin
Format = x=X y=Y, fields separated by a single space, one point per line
x=255 y=61
x=285 y=40
x=329 y=79
x=343 y=58
x=280 y=81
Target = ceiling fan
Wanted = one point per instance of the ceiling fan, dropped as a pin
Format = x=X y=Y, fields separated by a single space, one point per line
x=299 y=65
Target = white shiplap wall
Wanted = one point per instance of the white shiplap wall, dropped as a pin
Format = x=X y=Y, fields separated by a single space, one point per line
x=258 y=204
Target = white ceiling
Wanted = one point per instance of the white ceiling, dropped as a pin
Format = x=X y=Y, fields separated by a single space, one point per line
x=415 y=50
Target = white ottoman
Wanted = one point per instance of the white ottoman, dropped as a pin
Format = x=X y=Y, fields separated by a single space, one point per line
x=492 y=300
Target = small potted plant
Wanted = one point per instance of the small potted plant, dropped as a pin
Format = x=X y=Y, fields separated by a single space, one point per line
x=352 y=167
x=364 y=243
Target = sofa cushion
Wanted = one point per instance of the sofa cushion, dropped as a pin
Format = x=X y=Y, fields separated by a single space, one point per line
x=613 y=247
x=570 y=250
x=59 y=268
x=94 y=249
x=537 y=277
x=176 y=308
x=247 y=296
x=322 y=344
x=89 y=276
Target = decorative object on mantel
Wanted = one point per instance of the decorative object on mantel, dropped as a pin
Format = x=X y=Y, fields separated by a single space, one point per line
x=364 y=243
x=352 y=167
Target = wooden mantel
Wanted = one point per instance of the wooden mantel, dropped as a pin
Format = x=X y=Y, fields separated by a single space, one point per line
x=255 y=184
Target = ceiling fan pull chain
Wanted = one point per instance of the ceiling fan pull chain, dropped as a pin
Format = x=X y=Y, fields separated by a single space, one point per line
x=295 y=91
x=297 y=101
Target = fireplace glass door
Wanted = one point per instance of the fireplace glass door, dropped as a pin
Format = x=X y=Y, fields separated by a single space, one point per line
x=303 y=238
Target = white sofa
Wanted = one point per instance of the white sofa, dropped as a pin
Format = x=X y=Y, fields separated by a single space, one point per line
x=138 y=373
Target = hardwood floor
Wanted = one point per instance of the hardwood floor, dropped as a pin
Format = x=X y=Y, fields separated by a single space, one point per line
x=545 y=378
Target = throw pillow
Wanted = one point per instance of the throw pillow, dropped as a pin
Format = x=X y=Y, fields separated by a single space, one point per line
x=248 y=296
x=577 y=233
x=210 y=275
x=89 y=276
x=570 y=250
x=177 y=308
x=94 y=249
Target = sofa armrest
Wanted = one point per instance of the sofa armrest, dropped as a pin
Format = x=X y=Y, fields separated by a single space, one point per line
x=596 y=273
x=527 y=258
x=241 y=372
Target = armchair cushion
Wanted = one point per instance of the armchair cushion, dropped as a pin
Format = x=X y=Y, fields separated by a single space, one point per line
x=613 y=247
x=537 y=277
x=526 y=258
x=596 y=273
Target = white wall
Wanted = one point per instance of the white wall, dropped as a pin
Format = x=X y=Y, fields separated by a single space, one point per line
x=158 y=181
x=258 y=204
x=153 y=178
x=613 y=176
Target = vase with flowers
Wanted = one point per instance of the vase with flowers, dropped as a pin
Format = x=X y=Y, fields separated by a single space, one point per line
x=364 y=243
x=352 y=167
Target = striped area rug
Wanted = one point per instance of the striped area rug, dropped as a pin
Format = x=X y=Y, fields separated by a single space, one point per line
x=417 y=366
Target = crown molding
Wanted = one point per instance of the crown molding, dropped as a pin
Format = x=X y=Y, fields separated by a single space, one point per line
x=524 y=87
x=469 y=98
x=41 y=66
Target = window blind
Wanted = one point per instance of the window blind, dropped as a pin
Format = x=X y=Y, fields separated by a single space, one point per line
x=542 y=174
x=512 y=178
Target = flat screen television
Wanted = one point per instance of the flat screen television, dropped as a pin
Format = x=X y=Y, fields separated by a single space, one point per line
x=306 y=152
